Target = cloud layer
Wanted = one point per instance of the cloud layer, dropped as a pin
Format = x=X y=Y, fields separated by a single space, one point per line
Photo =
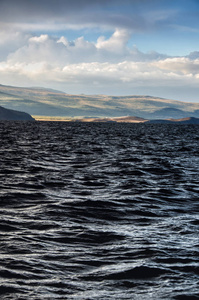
x=83 y=66
x=35 y=47
x=134 y=15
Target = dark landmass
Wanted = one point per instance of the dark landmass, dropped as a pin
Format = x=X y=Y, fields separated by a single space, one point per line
x=13 y=115
x=189 y=120
x=41 y=102
x=168 y=112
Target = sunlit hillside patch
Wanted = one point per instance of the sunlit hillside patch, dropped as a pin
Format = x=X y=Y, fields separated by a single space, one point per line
x=54 y=118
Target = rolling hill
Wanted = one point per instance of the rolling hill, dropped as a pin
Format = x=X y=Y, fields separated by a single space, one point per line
x=47 y=102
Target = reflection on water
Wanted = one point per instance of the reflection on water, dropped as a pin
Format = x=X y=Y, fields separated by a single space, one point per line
x=99 y=211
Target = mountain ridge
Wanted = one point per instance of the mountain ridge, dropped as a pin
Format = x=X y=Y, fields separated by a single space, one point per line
x=48 y=102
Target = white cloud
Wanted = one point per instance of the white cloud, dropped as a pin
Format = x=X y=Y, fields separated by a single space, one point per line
x=105 y=66
x=38 y=49
x=60 y=51
x=39 y=39
x=136 y=73
x=116 y=43
x=10 y=41
x=181 y=65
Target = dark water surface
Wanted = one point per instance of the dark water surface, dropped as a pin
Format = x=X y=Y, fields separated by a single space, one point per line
x=99 y=211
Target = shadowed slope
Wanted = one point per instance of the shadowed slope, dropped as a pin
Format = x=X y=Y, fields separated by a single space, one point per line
x=13 y=115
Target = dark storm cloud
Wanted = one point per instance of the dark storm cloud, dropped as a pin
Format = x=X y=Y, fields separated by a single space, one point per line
x=131 y=14
x=28 y=9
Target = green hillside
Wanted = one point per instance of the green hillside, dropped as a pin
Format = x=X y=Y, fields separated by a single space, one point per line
x=47 y=102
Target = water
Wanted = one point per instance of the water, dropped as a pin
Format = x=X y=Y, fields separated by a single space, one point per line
x=99 y=211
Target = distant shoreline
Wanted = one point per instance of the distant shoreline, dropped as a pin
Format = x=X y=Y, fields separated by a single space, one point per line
x=126 y=119
x=53 y=119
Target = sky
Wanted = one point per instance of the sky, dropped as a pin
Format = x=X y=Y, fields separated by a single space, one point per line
x=113 y=47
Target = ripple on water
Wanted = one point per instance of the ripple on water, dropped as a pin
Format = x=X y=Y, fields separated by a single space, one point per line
x=99 y=211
